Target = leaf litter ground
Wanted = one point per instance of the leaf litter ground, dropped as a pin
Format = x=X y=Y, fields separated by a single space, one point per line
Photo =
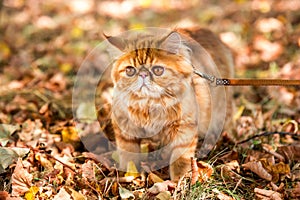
x=42 y=46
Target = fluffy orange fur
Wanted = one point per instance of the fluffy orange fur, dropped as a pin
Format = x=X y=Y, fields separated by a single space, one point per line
x=158 y=97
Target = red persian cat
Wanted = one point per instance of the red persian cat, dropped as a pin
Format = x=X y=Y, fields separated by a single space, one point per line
x=157 y=96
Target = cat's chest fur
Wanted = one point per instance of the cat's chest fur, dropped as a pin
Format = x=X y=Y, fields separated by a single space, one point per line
x=147 y=116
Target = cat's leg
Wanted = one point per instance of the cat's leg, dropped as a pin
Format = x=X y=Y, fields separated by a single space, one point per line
x=128 y=150
x=180 y=160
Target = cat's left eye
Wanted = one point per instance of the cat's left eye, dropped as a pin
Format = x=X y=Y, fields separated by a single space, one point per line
x=130 y=71
x=158 y=70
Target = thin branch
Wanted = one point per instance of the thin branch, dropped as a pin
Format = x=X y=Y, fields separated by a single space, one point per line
x=267 y=133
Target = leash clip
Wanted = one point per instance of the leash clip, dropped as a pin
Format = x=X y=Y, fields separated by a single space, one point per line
x=210 y=78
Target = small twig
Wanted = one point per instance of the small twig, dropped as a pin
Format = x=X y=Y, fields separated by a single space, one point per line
x=237 y=184
x=64 y=164
x=267 y=134
x=50 y=156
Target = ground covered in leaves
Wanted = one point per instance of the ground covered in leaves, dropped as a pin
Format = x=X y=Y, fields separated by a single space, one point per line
x=42 y=46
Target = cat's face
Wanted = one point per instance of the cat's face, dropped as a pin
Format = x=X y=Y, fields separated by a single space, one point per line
x=151 y=72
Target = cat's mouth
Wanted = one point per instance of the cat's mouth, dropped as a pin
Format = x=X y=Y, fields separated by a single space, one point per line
x=144 y=88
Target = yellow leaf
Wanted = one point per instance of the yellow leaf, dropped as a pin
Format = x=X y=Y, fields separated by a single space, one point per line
x=145 y=148
x=33 y=190
x=76 y=32
x=4 y=51
x=76 y=195
x=238 y=113
x=153 y=178
x=69 y=135
x=65 y=67
x=132 y=170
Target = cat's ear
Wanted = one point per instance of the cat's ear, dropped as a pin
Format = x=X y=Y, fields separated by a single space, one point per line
x=171 y=42
x=116 y=41
x=117 y=45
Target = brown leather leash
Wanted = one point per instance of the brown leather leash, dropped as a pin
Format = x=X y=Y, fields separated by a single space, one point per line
x=247 y=82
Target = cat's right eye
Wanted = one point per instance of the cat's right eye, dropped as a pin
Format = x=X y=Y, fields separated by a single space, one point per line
x=130 y=71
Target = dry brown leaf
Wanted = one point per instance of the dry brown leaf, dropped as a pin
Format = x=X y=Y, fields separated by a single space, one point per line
x=232 y=155
x=233 y=165
x=295 y=192
x=195 y=171
x=228 y=171
x=115 y=189
x=290 y=153
x=3 y=195
x=88 y=170
x=205 y=171
x=66 y=193
x=21 y=179
x=276 y=188
x=267 y=194
x=161 y=187
x=165 y=195
x=158 y=187
x=44 y=161
x=62 y=195
x=257 y=168
x=276 y=170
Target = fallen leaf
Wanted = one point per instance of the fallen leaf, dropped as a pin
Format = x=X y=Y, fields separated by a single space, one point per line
x=44 y=161
x=69 y=135
x=230 y=156
x=6 y=130
x=62 y=195
x=257 y=168
x=153 y=178
x=3 y=195
x=161 y=187
x=88 y=170
x=125 y=194
x=66 y=193
x=295 y=192
x=76 y=195
x=165 y=195
x=30 y=195
x=229 y=171
x=205 y=171
x=21 y=180
x=131 y=170
x=195 y=171
x=10 y=155
x=267 y=194
x=158 y=187
x=290 y=153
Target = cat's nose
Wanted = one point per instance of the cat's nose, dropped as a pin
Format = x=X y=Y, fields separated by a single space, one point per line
x=144 y=73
